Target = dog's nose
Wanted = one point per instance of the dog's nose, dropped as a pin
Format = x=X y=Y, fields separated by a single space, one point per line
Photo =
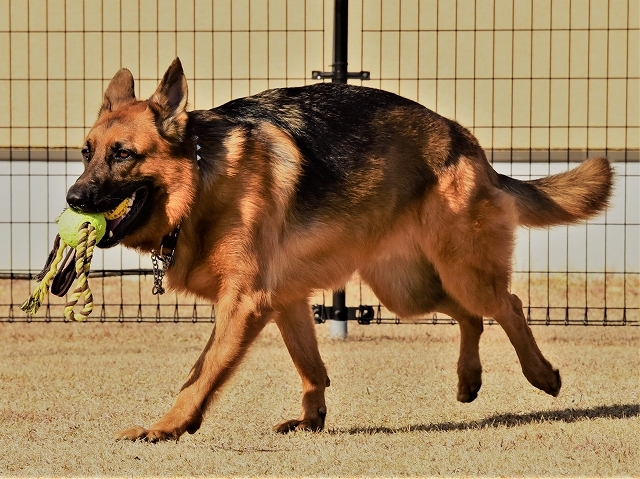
x=76 y=198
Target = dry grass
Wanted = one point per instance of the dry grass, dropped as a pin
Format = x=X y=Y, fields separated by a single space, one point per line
x=66 y=388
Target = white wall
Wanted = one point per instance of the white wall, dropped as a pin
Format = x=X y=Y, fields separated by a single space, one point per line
x=35 y=192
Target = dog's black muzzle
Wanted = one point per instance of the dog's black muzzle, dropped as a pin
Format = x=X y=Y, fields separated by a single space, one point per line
x=82 y=197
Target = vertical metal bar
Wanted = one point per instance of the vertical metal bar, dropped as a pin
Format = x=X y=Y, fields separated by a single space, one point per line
x=340 y=36
x=339 y=321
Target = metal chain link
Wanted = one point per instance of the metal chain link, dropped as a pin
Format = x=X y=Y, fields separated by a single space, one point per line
x=168 y=244
x=159 y=272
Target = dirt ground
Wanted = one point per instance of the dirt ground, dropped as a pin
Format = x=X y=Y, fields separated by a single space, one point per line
x=66 y=388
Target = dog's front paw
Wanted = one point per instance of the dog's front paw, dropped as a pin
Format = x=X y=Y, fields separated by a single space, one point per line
x=298 y=425
x=169 y=428
x=149 y=435
x=314 y=423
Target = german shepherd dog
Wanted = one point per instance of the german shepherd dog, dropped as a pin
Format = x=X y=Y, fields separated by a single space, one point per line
x=295 y=189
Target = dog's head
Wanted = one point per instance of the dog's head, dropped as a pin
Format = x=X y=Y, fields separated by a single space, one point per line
x=138 y=151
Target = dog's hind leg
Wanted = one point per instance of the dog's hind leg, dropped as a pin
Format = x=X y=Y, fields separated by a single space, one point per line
x=469 y=367
x=471 y=244
x=237 y=325
x=480 y=286
x=535 y=366
x=298 y=331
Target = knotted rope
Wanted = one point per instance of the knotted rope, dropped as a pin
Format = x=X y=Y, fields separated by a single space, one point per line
x=87 y=239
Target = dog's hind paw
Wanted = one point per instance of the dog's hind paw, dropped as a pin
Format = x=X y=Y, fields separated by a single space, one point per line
x=468 y=388
x=549 y=381
x=553 y=388
x=467 y=394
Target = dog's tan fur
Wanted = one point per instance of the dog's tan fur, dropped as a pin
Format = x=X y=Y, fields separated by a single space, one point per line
x=427 y=223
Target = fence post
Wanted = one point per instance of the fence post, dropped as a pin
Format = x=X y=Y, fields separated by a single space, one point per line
x=340 y=39
x=339 y=74
x=339 y=67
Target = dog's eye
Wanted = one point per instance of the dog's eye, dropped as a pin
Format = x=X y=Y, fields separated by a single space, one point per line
x=123 y=154
x=86 y=153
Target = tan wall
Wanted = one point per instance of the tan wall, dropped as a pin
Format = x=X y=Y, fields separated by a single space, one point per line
x=520 y=73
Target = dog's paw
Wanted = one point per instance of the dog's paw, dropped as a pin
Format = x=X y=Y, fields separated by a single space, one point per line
x=548 y=381
x=287 y=426
x=298 y=425
x=468 y=393
x=554 y=385
x=141 y=434
x=468 y=385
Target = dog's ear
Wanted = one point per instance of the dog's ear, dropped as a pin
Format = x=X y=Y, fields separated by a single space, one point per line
x=119 y=92
x=169 y=102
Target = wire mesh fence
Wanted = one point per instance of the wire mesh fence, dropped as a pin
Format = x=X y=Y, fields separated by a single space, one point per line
x=542 y=84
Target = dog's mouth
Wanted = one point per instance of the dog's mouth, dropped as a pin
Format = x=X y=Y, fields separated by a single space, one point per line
x=124 y=218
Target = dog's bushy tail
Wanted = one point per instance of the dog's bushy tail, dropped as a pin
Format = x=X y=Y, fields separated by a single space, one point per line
x=564 y=198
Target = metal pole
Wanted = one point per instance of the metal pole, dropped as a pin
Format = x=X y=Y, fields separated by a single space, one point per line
x=340 y=37
x=339 y=321
x=339 y=74
x=340 y=34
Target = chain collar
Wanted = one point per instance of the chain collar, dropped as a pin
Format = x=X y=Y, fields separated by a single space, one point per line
x=163 y=259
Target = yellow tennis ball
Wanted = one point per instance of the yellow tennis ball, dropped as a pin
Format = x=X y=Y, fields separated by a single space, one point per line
x=118 y=211
x=70 y=221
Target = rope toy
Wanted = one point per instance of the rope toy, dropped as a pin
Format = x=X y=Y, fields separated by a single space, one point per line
x=80 y=232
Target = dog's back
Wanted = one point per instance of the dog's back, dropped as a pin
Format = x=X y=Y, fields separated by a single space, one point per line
x=348 y=136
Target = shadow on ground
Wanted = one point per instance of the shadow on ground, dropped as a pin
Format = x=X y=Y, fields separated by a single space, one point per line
x=617 y=411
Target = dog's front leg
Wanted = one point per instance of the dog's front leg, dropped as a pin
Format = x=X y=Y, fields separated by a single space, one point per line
x=298 y=331
x=236 y=327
